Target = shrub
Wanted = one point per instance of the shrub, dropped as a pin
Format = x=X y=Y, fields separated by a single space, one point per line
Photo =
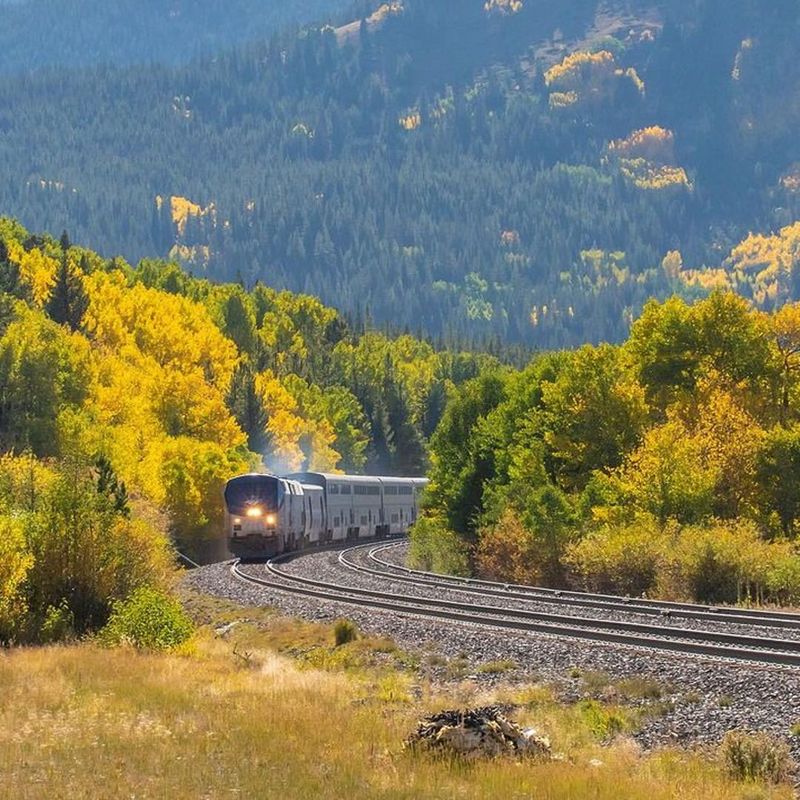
x=755 y=757
x=506 y=552
x=783 y=579
x=638 y=688
x=87 y=554
x=721 y=562
x=393 y=688
x=496 y=667
x=604 y=723
x=58 y=624
x=435 y=548
x=15 y=562
x=150 y=620
x=620 y=560
x=344 y=631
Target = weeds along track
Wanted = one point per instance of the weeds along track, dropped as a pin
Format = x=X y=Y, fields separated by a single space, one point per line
x=470 y=609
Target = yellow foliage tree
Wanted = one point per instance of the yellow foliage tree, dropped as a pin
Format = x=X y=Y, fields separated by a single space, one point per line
x=296 y=442
x=786 y=329
x=15 y=562
x=647 y=159
x=588 y=79
x=668 y=476
x=767 y=263
x=37 y=270
x=175 y=332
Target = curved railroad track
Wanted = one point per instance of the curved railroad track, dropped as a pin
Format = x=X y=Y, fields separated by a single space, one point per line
x=662 y=608
x=766 y=649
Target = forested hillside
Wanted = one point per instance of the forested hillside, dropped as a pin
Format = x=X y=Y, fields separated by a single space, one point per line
x=79 y=33
x=669 y=465
x=129 y=395
x=529 y=170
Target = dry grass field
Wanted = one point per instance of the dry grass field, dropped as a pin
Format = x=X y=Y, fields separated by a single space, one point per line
x=274 y=710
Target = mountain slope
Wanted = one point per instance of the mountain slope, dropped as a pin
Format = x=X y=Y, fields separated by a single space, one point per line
x=69 y=33
x=470 y=169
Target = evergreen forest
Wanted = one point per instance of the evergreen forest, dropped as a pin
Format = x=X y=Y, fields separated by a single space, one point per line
x=523 y=172
x=84 y=33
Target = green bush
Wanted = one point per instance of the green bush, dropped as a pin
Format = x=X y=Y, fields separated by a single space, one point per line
x=783 y=579
x=148 y=620
x=621 y=560
x=755 y=757
x=344 y=631
x=435 y=548
x=58 y=624
x=604 y=723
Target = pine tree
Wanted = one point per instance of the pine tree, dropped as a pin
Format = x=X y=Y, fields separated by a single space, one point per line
x=110 y=487
x=408 y=448
x=68 y=301
x=248 y=409
x=9 y=273
x=239 y=322
x=434 y=408
x=381 y=449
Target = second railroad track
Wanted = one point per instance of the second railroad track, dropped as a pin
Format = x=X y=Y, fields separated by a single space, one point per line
x=763 y=645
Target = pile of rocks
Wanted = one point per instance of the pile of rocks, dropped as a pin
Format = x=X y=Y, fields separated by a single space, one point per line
x=478 y=733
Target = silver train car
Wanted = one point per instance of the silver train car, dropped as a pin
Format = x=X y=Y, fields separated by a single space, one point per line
x=266 y=515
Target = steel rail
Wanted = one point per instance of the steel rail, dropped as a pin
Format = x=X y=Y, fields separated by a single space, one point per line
x=745 y=616
x=553 y=597
x=706 y=643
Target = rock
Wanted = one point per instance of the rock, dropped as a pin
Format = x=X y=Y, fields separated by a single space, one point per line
x=478 y=733
x=224 y=630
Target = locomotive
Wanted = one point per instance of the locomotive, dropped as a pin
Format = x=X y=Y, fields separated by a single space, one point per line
x=266 y=515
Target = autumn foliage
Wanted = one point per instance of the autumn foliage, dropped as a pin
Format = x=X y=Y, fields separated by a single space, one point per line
x=586 y=79
x=669 y=465
x=130 y=395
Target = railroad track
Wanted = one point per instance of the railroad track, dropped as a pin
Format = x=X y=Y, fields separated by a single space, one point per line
x=715 y=644
x=661 y=608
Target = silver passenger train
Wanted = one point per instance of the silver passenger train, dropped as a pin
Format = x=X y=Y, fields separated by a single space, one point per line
x=266 y=515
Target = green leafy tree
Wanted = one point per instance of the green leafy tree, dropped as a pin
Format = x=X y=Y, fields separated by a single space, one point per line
x=778 y=474
x=594 y=413
x=42 y=369
x=9 y=274
x=238 y=320
x=461 y=463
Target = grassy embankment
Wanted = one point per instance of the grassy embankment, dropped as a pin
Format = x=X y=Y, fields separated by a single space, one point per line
x=273 y=710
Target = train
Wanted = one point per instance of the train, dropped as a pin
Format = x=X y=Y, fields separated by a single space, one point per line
x=267 y=515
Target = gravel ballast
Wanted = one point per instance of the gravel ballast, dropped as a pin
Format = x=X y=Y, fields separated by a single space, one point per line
x=702 y=698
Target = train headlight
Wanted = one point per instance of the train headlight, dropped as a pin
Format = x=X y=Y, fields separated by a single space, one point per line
x=237 y=521
x=270 y=519
x=255 y=511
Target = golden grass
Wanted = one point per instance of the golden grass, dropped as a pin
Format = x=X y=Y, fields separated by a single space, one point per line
x=82 y=722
